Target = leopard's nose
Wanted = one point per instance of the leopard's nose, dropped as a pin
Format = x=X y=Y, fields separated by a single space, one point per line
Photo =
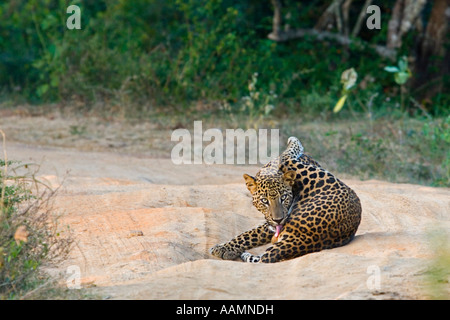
x=277 y=221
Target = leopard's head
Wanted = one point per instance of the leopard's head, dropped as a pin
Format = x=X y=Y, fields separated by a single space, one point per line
x=272 y=196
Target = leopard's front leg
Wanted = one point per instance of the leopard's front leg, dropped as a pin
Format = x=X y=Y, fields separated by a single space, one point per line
x=281 y=250
x=232 y=249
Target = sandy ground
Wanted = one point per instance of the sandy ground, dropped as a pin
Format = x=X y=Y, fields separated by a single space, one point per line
x=143 y=226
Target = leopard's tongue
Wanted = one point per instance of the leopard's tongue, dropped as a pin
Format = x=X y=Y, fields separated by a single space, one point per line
x=278 y=229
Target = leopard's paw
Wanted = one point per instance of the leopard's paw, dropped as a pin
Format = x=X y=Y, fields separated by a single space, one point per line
x=248 y=257
x=223 y=252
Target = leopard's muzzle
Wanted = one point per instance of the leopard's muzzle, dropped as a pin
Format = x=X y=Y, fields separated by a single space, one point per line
x=277 y=215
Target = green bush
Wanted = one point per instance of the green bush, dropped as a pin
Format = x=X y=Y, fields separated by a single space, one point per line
x=151 y=54
x=28 y=232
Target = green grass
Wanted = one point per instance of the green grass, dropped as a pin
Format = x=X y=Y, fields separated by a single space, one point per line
x=437 y=275
x=403 y=150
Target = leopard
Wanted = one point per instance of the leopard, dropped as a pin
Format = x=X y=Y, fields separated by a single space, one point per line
x=306 y=209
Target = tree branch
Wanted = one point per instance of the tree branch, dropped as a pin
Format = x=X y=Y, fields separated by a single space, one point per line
x=328 y=15
x=325 y=35
x=361 y=16
x=333 y=11
x=345 y=13
x=276 y=28
x=337 y=13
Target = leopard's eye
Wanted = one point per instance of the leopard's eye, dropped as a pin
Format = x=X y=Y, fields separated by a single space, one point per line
x=283 y=197
x=264 y=200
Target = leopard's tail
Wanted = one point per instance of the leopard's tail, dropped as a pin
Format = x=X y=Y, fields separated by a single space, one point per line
x=293 y=151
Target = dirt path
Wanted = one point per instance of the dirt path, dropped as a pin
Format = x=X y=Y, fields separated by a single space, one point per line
x=143 y=227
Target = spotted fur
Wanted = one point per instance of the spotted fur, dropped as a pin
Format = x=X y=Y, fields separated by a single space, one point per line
x=313 y=209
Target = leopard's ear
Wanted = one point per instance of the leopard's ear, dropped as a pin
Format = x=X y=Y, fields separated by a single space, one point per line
x=251 y=183
x=289 y=177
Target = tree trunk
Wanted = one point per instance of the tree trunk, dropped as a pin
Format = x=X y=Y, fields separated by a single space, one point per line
x=404 y=15
x=431 y=56
x=276 y=27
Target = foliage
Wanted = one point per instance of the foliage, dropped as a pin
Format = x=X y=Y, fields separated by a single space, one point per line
x=148 y=55
x=401 y=73
x=348 y=80
x=258 y=104
x=28 y=234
